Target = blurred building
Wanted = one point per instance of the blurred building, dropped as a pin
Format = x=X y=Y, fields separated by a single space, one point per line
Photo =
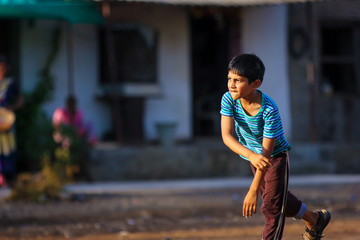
x=162 y=64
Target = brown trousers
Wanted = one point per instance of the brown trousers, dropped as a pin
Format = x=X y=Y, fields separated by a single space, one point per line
x=276 y=205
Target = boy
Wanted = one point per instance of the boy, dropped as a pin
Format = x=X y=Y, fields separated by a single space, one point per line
x=261 y=141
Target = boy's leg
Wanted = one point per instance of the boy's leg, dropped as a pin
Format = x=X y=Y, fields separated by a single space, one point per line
x=294 y=207
x=272 y=190
x=274 y=222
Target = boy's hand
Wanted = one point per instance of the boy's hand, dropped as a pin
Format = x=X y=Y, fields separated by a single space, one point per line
x=259 y=161
x=250 y=203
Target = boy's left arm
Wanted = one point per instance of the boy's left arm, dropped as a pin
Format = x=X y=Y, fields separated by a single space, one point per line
x=250 y=201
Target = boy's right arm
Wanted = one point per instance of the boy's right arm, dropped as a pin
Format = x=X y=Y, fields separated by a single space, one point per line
x=227 y=133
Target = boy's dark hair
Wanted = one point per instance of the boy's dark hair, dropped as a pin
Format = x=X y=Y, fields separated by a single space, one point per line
x=248 y=65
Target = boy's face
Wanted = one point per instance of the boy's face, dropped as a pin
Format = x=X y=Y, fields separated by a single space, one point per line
x=239 y=86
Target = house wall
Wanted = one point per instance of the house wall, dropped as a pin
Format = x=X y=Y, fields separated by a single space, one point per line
x=302 y=105
x=174 y=104
x=264 y=33
x=35 y=44
x=324 y=119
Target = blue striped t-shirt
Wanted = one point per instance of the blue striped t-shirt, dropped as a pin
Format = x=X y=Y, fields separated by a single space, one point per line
x=251 y=129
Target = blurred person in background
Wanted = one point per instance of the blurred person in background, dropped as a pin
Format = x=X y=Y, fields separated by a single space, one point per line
x=10 y=101
x=71 y=115
x=75 y=138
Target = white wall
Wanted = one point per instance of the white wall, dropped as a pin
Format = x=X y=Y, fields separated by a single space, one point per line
x=86 y=77
x=174 y=76
x=174 y=103
x=35 y=45
x=173 y=71
x=264 y=33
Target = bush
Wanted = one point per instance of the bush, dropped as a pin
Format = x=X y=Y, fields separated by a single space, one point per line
x=44 y=164
x=38 y=187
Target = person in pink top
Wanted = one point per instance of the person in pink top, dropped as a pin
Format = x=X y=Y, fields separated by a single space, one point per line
x=75 y=137
x=71 y=115
x=68 y=115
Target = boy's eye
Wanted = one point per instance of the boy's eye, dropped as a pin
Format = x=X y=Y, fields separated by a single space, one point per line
x=235 y=80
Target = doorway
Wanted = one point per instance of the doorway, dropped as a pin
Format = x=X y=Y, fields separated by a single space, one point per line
x=214 y=41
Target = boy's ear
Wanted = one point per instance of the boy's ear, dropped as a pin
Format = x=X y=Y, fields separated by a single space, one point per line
x=257 y=83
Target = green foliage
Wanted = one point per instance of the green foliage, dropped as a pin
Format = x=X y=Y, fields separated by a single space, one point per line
x=47 y=162
x=63 y=161
x=33 y=126
x=71 y=152
x=38 y=187
x=39 y=179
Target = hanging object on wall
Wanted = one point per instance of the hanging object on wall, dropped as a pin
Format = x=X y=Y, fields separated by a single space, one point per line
x=298 y=42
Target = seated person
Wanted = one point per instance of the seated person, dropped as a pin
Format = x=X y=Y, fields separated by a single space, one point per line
x=70 y=115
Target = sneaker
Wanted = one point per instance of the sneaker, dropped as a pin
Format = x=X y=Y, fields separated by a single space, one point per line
x=316 y=233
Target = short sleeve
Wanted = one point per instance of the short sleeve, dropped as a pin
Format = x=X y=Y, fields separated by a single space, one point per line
x=272 y=124
x=227 y=105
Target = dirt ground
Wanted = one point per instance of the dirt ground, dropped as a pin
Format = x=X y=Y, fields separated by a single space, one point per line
x=212 y=214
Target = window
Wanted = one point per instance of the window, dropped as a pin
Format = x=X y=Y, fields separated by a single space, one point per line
x=135 y=48
x=340 y=58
